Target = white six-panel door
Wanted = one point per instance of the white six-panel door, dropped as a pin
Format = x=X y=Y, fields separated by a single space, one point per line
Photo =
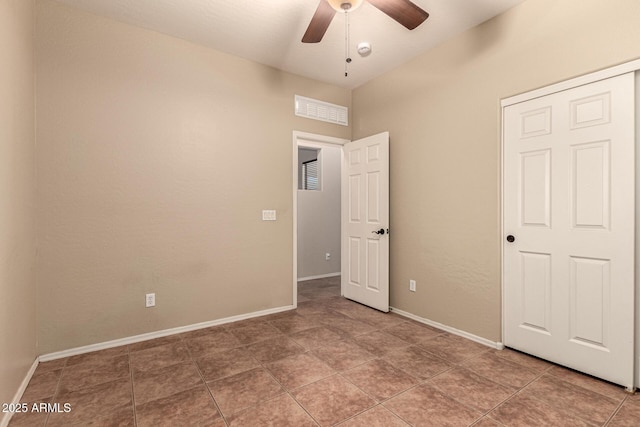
x=365 y=221
x=569 y=211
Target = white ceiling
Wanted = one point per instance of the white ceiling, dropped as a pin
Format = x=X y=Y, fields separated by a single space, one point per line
x=269 y=31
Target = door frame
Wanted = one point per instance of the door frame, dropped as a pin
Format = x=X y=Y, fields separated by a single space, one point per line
x=305 y=139
x=632 y=66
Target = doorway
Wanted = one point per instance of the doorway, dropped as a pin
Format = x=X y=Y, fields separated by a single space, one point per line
x=364 y=215
x=317 y=162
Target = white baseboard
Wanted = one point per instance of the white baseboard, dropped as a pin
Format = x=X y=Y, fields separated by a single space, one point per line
x=321 y=276
x=4 y=422
x=158 y=334
x=454 y=331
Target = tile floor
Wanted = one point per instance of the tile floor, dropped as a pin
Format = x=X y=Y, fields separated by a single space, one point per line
x=330 y=362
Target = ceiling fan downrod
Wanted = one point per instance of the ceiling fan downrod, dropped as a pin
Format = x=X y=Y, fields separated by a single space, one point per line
x=347 y=60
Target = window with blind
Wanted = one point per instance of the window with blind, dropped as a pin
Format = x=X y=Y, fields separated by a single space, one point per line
x=309 y=168
x=310 y=175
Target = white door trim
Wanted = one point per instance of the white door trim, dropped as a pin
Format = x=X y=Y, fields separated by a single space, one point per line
x=571 y=83
x=304 y=139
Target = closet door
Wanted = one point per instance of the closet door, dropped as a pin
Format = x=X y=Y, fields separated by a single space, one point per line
x=569 y=206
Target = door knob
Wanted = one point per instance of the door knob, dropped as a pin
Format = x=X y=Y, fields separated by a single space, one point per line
x=380 y=232
x=511 y=238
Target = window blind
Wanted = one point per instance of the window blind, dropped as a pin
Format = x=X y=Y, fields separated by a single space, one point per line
x=310 y=175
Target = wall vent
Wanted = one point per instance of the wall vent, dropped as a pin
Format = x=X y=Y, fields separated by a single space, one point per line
x=320 y=110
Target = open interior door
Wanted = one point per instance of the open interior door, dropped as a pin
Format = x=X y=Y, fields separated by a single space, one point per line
x=365 y=221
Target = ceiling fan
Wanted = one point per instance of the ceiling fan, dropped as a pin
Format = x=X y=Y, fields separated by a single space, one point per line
x=403 y=11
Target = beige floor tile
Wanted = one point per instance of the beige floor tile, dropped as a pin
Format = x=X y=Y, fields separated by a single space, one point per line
x=42 y=385
x=211 y=343
x=298 y=370
x=332 y=400
x=292 y=324
x=159 y=357
x=51 y=365
x=500 y=370
x=241 y=391
x=590 y=383
x=93 y=371
x=375 y=318
x=487 y=422
x=413 y=332
x=417 y=362
x=472 y=389
x=525 y=411
x=227 y=363
x=583 y=403
x=29 y=417
x=143 y=345
x=281 y=411
x=203 y=331
x=377 y=416
x=379 y=379
x=351 y=327
x=453 y=348
x=425 y=406
x=188 y=408
x=163 y=382
x=530 y=362
x=343 y=354
x=318 y=336
x=274 y=349
x=94 y=403
x=252 y=332
x=97 y=356
x=627 y=416
x=380 y=343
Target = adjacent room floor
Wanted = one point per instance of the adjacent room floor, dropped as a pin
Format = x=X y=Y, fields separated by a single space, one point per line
x=331 y=361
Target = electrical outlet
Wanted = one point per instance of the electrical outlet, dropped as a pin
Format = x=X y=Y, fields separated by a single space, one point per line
x=150 y=300
x=412 y=285
x=327 y=256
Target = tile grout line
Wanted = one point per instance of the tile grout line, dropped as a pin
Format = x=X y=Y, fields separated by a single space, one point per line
x=55 y=393
x=133 y=392
x=615 y=412
x=204 y=382
x=288 y=392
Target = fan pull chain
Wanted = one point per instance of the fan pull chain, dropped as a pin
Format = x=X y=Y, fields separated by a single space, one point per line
x=346 y=44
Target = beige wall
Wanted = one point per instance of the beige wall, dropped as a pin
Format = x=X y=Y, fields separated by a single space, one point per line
x=155 y=159
x=17 y=200
x=442 y=111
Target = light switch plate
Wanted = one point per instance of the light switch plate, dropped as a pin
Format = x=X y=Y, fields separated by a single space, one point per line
x=268 y=215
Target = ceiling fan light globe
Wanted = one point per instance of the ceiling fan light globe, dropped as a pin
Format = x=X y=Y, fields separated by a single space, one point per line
x=345 y=5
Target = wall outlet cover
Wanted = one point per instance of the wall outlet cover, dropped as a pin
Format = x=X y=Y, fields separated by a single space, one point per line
x=150 y=300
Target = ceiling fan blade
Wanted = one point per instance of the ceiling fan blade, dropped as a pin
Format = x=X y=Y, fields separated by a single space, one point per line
x=403 y=11
x=319 y=23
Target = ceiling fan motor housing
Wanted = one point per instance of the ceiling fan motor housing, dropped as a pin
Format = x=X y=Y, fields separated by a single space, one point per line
x=345 y=5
